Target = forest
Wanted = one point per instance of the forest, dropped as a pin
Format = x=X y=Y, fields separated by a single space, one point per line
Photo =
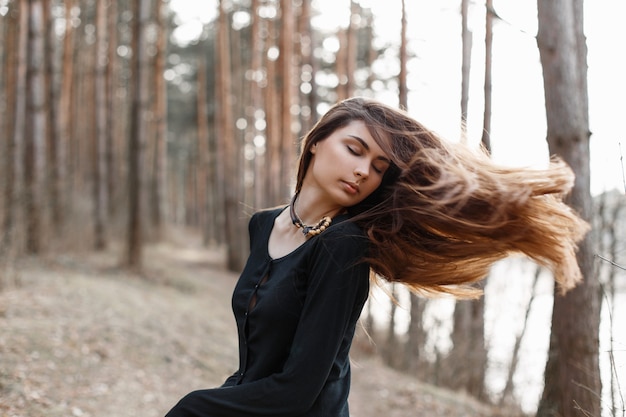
x=125 y=123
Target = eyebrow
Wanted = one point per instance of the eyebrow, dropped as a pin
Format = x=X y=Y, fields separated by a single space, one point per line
x=366 y=146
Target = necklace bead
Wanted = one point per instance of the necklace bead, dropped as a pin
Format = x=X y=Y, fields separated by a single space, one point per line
x=307 y=230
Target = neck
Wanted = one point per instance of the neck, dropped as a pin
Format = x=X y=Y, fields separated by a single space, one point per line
x=308 y=229
x=310 y=208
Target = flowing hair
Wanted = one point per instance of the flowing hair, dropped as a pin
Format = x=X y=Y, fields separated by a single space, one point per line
x=444 y=212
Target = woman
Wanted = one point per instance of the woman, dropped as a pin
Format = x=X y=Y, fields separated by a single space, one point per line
x=375 y=191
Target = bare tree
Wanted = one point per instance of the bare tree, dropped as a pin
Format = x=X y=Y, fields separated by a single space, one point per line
x=15 y=73
x=159 y=171
x=272 y=120
x=66 y=97
x=286 y=86
x=572 y=375
x=35 y=130
x=466 y=39
x=53 y=180
x=609 y=227
x=402 y=84
x=139 y=101
x=227 y=147
x=205 y=169
x=99 y=154
x=485 y=139
x=308 y=68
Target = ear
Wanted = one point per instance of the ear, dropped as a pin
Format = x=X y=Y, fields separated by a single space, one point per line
x=314 y=148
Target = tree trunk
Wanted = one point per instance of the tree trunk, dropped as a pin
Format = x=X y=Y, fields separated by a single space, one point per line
x=35 y=131
x=159 y=178
x=307 y=89
x=402 y=84
x=572 y=376
x=99 y=155
x=416 y=335
x=52 y=179
x=66 y=91
x=485 y=139
x=352 y=49
x=468 y=357
x=311 y=65
x=288 y=149
x=203 y=168
x=391 y=347
x=466 y=39
x=272 y=118
x=256 y=101
x=226 y=143
x=15 y=73
x=112 y=71
x=139 y=97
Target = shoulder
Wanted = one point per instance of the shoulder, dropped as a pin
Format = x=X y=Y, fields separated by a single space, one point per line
x=264 y=217
x=344 y=237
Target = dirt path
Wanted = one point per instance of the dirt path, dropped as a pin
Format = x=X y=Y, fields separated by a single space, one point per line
x=81 y=337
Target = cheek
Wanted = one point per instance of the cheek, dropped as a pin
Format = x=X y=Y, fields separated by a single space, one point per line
x=372 y=186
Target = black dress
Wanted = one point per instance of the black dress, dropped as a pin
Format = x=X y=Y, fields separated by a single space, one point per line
x=296 y=317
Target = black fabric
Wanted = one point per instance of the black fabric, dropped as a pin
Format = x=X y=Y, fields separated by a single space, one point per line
x=296 y=317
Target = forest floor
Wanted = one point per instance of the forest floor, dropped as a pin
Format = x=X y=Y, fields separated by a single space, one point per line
x=81 y=337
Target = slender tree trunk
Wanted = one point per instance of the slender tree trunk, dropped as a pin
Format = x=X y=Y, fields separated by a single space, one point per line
x=309 y=65
x=256 y=99
x=391 y=348
x=341 y=60
x=572 y=376
x=466 y=38
x=416 y=335
x=272 y=129
x=468 y=358
x=53 y=177
x=485 y=139
x=66 y=92
x=288 y=148
x=99 y=159
x=159 y=179
x=352 y=48
x=35 y=136
x=226 y=149
x=15 y=76
x=402 y=84
x=112 y=71
x=202 y=150
x=139 y=97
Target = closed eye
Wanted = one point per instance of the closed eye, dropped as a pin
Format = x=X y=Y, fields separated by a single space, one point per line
x=354 y=151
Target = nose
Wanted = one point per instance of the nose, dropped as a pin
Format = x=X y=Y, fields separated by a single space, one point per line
x=361 y=171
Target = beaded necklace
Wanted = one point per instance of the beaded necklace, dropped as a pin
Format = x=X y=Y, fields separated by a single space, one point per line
x=307 y=231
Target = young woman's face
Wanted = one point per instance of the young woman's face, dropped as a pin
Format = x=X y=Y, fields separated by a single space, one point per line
x=348 y=165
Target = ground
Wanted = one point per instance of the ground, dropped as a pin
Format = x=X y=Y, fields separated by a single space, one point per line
x=81 y=337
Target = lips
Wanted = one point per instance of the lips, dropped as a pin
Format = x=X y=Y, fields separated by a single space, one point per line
x=351 y=187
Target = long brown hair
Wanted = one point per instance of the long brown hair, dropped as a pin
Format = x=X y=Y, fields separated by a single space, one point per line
x=445 y=212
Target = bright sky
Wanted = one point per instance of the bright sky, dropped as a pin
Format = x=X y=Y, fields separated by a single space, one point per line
x=518 y=119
